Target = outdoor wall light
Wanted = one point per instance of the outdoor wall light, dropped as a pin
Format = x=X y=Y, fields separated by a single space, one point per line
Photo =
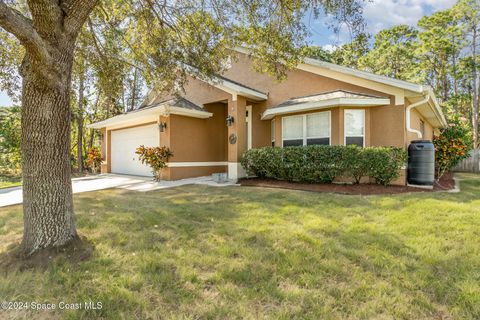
x=230 y=120
x=162 y=126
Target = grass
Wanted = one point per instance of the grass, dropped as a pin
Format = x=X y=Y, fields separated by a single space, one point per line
x=8 y=180
x=197 y=252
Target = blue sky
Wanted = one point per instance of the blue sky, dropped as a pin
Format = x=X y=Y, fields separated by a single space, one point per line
x=379 y=14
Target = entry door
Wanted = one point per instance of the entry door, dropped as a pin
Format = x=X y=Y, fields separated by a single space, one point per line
x=124 y=144
x=248 y=124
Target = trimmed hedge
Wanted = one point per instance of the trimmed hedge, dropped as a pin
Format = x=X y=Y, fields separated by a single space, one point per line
x=322 y=164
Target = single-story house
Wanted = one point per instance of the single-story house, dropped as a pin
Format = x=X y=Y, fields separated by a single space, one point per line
x=211 y=125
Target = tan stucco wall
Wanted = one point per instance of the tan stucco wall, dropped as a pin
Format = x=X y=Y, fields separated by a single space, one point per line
x=206 y=140
x=261 y=129
x=200 y=140
x=415 y=118
x=384 y=125
x=103 y=143
x=109 y=151
x=103 y=151
x=191 y=172
x=387 y=126
x=298 y=82
x=237 y=109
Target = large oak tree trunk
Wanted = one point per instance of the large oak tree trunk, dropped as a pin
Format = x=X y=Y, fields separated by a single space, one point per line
x=48 y=35
x=47 y=189
x=81 y=89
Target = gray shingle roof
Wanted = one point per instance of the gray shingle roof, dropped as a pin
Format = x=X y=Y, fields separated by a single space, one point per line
x=173 y=102
x=326 y=96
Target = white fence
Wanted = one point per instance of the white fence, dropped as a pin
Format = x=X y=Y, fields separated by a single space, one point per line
x=471 y=164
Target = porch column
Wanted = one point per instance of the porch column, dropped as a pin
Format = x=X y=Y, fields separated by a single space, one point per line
x=237 y=131
x=103 y=151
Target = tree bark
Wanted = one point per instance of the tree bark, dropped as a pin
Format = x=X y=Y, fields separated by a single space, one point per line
x=475 y=90
x=47 y=189
x=48 y=35
x=134 y=91
x=81 y=89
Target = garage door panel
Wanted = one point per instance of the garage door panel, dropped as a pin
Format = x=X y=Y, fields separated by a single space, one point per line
x=124 y=144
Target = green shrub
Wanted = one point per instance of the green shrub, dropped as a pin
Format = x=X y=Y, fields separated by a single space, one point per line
x=355 y=163
x=264 y=162
x=10 y=154
x=384 y=163
x=155 y=157
x=452 y=145
x=318 y=165
x=322 y=164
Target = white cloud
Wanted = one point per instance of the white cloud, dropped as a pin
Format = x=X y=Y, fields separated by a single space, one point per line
x=437 y=4
x=329 y=47
x=381 y=14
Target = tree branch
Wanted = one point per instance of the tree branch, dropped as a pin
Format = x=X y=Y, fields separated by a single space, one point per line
x=77 y=12
x=47 y=18
x=22 y=28
x=101 y=50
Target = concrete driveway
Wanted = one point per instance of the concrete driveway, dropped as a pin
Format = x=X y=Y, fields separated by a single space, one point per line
x=11 y=196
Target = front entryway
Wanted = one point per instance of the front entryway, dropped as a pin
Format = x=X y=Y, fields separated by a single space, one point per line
x=124 y=144
x=248 y=124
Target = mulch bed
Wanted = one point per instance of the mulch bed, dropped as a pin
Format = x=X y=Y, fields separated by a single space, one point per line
x=446 y=183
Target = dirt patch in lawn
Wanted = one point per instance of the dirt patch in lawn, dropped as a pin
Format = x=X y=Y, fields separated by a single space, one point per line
x=75 y=252
x=446 y=183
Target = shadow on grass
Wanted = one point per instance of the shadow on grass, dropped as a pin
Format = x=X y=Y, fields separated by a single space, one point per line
x=14 y=259
x=202 y=252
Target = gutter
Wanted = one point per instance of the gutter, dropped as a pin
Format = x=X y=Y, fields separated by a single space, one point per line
x=408 y=115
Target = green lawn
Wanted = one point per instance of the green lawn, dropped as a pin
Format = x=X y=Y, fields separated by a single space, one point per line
x=10 y=180
x=198 y=252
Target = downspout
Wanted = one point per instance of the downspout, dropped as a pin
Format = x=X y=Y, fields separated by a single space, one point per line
x=408 y=115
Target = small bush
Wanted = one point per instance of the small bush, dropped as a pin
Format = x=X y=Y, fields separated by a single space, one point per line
x=355 y=164
x=156 y=158
x=94 y=159
x=452 y=145
x=322 y=164
x=384 y=163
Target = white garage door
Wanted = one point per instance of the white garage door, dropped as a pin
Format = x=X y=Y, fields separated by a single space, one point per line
x=124 y=144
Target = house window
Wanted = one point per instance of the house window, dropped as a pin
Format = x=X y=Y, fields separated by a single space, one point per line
x=355 y=127
x=318 y=128
x=292 y=131
x=422 y=128
x=272 y=132
x=308 y=129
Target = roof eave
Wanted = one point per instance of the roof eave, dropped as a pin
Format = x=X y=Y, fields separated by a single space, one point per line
x=149 y=113
x=318 y=105
x=437 y=109
x=236 y=89
x=354 y=72
x=367 y=75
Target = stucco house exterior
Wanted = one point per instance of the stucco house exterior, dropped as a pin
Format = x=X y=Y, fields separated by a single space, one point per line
x=318 y=103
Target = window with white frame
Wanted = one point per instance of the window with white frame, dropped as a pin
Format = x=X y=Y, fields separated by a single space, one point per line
x=355 y=127
x=272 y=132
x=308 y=129
x=318 y=128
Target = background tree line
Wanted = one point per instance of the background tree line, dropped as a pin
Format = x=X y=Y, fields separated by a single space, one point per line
x=128 y=46
x=441 y=51
x=113 y=68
